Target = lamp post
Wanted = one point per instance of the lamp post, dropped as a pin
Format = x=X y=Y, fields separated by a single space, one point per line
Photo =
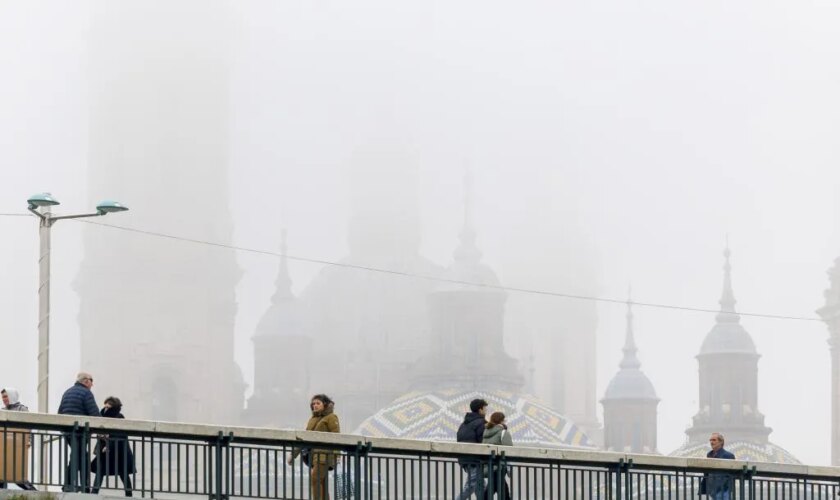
x=40 y=204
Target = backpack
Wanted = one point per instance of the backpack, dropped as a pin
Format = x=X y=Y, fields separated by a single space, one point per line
x=465 y=434
x=467 y=431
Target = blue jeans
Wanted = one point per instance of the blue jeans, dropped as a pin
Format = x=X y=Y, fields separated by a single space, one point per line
x=721 y=495
x=474 y=482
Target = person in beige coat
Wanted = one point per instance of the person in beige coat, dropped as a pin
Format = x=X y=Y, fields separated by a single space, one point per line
x=15 y=446
x=320 y=462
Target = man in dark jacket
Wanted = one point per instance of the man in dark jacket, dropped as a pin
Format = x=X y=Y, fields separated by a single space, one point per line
x=472 y=431
x=718 y=486
x=78 y=400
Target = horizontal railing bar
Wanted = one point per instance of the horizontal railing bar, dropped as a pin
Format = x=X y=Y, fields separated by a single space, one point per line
x=410 y=449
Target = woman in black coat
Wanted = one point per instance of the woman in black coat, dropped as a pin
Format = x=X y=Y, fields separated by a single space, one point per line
x=113 y=452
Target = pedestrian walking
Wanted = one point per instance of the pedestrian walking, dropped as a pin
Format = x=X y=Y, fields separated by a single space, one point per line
x=320 y=462
x=113 y=455
x=496 y=433
x=78 y=400
x=472 y=431
x=716 y=485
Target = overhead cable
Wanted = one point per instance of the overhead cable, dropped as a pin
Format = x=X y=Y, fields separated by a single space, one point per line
x=439 y=278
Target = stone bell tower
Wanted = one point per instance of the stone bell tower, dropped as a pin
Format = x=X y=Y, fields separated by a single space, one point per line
x=157 y=313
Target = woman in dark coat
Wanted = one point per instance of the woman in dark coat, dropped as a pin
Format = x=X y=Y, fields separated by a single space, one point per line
x=113 y=452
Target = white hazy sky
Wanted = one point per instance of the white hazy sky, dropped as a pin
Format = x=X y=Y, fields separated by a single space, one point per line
x=645 y=130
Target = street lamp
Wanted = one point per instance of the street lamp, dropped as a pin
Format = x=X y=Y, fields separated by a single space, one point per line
x=40 y=205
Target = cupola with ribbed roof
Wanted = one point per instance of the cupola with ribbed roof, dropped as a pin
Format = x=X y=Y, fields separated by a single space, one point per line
x=630 y=402
x=728 y=364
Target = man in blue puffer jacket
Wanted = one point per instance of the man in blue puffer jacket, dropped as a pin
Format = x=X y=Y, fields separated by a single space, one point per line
x=78 y=400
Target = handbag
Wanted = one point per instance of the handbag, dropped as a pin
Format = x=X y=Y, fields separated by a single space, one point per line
x=304 y=456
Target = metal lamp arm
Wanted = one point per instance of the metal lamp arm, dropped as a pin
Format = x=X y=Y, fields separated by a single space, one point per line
x=78 y=216
x=36 y=212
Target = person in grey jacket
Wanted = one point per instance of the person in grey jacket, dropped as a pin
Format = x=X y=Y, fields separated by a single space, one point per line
x=78 y=400
x=496 y=433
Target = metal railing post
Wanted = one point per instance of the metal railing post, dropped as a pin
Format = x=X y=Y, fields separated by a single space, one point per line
x=503 y=474
x=747 y=482
x=491 y=473
x=85 y=454
x=220 y=444
x=622 y=477
x=359 y=453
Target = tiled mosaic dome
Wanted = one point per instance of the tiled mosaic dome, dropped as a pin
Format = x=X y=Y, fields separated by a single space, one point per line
x=743 y=450
x=435 y=416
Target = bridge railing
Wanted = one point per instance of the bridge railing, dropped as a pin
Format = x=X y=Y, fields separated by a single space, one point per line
x=168 y=460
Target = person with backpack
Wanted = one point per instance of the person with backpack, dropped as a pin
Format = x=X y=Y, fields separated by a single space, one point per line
x=472 y=431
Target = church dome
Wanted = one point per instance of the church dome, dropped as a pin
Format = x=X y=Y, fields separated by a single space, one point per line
x=743 y=450
x=470 y=272
x=279 y=320
x=728 y=338
x=630 y=384
x=436 y=415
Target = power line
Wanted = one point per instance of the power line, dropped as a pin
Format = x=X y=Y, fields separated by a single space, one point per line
x=441 y=279
x=15 y=215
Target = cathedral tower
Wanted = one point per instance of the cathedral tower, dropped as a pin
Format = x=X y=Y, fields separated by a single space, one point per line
x=157 y=314
x=728 y=363
x=368 y=327
x=467 y=323
x=630 y=403
x=282 y=359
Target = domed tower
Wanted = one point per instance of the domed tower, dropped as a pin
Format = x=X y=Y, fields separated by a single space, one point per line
x=282 y=364
x=630 y=403
x=156 y=315
x=830 y=313
x=367 y=328
x=728 y=363
x=466 y=360
x=467 y=324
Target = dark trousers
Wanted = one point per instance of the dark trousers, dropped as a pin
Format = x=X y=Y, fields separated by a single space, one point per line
x=500 y=489
x=77 y=473
x=123 y=474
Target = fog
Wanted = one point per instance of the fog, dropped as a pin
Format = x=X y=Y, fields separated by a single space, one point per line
x=609 y=144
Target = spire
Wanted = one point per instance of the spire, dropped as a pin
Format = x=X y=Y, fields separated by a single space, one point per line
x=283 y=283
x=467 y=250
x=630 y=361
x=727 y=299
